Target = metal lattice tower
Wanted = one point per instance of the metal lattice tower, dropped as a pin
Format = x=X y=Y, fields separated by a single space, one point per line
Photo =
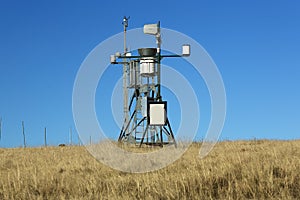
x=145 y=113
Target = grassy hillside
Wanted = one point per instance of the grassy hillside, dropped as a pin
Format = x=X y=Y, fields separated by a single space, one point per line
x=233 y=170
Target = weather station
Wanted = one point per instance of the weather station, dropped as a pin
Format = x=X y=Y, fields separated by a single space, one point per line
x=145 y=119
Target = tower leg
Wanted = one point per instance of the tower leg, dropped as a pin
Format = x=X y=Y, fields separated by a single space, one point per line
x=161 y=137
x=144 y=135
x=123 y=132
x=171 y=132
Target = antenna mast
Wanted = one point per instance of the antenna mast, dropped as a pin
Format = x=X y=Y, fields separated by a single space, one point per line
x=125 y=92
x=125 y=25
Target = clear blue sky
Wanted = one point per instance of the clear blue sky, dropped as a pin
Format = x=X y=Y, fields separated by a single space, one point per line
x=255 y=44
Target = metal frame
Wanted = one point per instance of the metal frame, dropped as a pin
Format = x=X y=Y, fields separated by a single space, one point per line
x=137 y=127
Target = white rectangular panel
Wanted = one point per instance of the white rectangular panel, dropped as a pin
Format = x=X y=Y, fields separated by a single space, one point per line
x=151 y=29
x=186 y=50
x=144 y=106
x=157 y=114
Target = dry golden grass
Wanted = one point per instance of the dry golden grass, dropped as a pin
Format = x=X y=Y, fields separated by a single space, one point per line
x=259 y=169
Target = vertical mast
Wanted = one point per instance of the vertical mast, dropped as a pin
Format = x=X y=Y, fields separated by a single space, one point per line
x=125 y=92
x=158 y=42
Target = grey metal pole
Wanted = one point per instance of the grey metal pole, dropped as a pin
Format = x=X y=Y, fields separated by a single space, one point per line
x=125 y=92
x=158 y=41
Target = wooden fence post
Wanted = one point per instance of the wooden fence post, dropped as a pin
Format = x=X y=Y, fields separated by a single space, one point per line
x=45 y=137
x=24 y=140
x=79 y=141
x=70 y=136
x=0 y=128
